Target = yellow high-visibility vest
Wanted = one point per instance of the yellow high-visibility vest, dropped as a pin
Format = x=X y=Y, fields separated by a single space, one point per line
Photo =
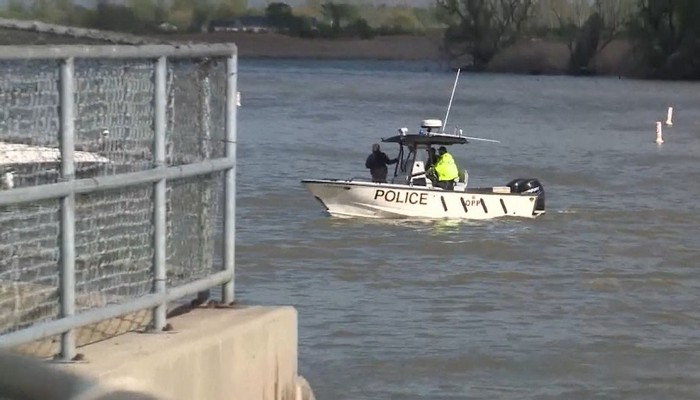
x=446 y=168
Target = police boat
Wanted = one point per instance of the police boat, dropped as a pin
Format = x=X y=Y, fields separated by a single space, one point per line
x=411 y=194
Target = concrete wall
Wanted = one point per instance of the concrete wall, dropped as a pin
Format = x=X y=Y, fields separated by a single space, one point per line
x=245 y=353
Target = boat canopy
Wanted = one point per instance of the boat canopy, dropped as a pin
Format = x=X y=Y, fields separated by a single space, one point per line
x=428 y=140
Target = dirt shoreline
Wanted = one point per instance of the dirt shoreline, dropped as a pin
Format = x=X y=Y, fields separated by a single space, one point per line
x=533 y=56
x=270 y=45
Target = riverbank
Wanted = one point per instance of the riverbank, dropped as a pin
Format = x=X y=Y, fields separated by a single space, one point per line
x=271 y=45
x=534 y=56
x=545 y=57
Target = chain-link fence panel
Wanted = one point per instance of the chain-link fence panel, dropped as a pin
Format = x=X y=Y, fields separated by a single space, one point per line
x=114 y=133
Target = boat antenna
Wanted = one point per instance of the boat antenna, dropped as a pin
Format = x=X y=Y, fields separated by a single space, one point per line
x=444 y=124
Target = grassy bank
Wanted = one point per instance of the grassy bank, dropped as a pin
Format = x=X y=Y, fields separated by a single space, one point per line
x=549 y=57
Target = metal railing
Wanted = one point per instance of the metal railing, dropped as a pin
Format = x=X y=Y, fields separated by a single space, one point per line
x=108 y=194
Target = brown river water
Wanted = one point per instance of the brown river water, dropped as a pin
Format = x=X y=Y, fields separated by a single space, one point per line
x=597 y=299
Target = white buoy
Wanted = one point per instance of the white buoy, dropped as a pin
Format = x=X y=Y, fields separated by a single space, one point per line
x=659 y=133
x=669 y=117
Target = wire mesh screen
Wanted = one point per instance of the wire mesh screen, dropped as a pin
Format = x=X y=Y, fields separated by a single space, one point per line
x=28 y=123
x=196 y=111
x=29 y=240
x=114 y=110
x=195 y=206
x=29 y=243
x=114 y=134
x=114 y=246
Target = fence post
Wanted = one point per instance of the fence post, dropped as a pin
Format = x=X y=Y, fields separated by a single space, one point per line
x=159 y=189
x=67 y=235
x=205 y=197
x=228 y=290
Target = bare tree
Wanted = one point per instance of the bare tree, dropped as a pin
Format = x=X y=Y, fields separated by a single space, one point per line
x=588 y=28
x=338 y=13
x=615 y=16
x=667 y=32
x=571 y=16
x=481 y=28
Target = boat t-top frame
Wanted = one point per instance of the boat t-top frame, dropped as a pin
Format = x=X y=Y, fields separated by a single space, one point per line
x=415 y=142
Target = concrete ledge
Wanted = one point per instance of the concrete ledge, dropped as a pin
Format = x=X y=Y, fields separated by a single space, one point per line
x=245 y=353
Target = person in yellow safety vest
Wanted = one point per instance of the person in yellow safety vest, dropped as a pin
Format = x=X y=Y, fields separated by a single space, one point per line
x=446 y=169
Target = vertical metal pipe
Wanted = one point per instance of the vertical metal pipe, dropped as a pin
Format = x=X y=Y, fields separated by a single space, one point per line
x=205 y=195
x=159 y=189
x=67 y=235
x=228 y=289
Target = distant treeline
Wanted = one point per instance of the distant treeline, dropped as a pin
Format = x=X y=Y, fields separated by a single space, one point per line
x=336 y=20
x=315 y=19
x=665 y=33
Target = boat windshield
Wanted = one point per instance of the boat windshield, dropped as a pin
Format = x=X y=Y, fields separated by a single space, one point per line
x=413 y=163
x=422 y=155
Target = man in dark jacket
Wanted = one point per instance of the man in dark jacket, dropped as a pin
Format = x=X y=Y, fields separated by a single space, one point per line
x=377 y=162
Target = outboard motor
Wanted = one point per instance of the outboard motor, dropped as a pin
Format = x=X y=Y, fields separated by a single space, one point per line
x=529 y=186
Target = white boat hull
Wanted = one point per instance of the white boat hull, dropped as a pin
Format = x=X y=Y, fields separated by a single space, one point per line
x=344 y=198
